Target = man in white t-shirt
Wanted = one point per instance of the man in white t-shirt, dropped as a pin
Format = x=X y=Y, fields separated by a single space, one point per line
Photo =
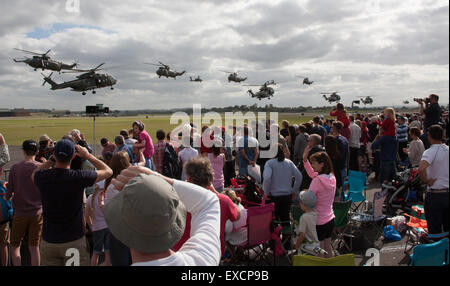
x=247 y=147
x=354 y=144
x=433 y=170
x=149 y=217
x=184 y=156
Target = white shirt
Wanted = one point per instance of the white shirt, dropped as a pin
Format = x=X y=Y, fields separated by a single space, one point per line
x=355 y=135
x=252 y=142
x=203 y=247
x=184 y=155
x=239 y=236
x=437 y=157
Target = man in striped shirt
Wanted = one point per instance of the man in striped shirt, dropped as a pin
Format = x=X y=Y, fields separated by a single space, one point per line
x=402 y=137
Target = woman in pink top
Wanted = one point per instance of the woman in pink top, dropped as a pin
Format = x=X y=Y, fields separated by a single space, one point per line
x=145 y=141
x=217 y=160
x=324 y=187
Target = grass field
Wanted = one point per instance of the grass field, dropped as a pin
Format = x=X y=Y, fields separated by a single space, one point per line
x=16 y=130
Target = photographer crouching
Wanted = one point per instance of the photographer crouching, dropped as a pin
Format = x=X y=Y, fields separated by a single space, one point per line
x=432 y=113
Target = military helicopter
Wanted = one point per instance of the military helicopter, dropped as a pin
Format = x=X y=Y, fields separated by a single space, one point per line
x=265 y=91
x=164 y=70
x=90 y=80
x=196 y=79
x=366 y=100
x=43 y=61
x=405 y=101
x=334 y=96
x=306 y=80
x=234 y=77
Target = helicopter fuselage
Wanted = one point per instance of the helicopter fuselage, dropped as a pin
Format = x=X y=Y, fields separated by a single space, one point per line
x=46 y=64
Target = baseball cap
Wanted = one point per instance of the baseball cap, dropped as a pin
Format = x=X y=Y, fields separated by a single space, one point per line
x=147 y=215
x=308 y=198
x=29 y=145
x=64 y=150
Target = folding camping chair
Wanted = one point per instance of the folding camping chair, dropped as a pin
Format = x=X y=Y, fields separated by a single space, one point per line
x=259 y=221
x=357 y=184
x=433 y=254
x=373 y=218
x=342 y=226
x=341 y=260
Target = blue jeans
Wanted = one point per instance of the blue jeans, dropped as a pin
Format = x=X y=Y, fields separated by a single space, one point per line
x=149 y=164
x=388 y=171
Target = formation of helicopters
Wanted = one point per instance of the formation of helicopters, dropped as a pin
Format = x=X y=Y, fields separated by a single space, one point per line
x=91 y=80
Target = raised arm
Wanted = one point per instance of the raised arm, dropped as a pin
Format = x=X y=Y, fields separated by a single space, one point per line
x=4 y=153
x=103 y=171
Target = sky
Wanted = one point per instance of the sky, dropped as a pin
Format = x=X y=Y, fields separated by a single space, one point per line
x=388 y=49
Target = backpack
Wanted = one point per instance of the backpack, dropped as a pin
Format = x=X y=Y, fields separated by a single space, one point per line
x=171 y=164
x=6 y=209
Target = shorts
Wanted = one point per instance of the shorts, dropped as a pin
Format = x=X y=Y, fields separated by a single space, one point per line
x=71 y=253
x=324 y=231
x=20 y=226
x=100 y=241
x=4 y=234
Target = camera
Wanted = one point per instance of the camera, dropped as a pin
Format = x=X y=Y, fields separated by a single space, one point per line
x=420 y=100
x=96 y=109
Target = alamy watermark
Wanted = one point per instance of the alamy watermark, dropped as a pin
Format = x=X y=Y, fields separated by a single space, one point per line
x=74 y=257
x=73 y=6
x=243 y=127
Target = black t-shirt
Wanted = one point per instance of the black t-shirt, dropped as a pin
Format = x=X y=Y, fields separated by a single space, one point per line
x=432 y=115
x=284 y=132
x=373 y=131
x=62 y=202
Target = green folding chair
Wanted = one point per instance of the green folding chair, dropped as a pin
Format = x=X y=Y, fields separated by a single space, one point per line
x=342 y=226
x=308 y=260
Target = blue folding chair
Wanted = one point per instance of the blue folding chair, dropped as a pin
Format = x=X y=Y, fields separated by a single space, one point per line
x=357 y=185
x=433 y=254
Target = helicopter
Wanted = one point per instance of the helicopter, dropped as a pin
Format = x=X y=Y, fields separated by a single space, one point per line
x=405 y=101
x=164 y=70
x=90 y=80
x=265 y=91
x=43 y=61
x=334 y=96
x=306 y=80
x=366 y=100
x=234 y=77
x=196 y=79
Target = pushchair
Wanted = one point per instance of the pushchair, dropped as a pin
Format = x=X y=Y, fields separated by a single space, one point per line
x=405 y=191
x=248 y=190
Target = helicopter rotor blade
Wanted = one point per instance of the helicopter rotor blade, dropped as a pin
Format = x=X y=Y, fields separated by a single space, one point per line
x=225 y=71
x=33 y=53
x=153 y=64
x=47 y=52
x=96 y=68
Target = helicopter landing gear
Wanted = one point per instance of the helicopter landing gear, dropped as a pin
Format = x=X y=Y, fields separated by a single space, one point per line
x=112 y=88
x=94 y=92
x=35 y=69
x=83 y=93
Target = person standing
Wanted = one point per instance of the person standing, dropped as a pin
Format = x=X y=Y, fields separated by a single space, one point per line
x=416 y=148
x=107 y=146
x=248 y=152
x=300 y=144
x=343 y=147
x=319 y=129
x=388 y=154
x=402 y=137
x=145 y=141
x=62 y=195
x=341 y=114
x=432 y=113
x=27 y=205
x=126 y=137
x=160 y=146
x=119 y=140
x=433 y=171
x=354 y=144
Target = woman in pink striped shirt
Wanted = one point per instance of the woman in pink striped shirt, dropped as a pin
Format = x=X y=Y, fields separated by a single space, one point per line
x=324 y=187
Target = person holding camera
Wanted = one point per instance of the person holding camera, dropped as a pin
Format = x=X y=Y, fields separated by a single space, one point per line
x=432 y=113
x=62 y=193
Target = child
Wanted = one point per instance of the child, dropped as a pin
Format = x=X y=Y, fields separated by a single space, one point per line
x=96 y=221
x=307 y=240
x=388 y=123
x=342 y=116
x=217 y=160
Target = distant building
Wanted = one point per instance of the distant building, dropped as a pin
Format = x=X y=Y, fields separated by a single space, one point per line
x=14 y=112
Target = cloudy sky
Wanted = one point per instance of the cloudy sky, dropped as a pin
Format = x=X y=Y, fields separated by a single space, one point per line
x=392 y=50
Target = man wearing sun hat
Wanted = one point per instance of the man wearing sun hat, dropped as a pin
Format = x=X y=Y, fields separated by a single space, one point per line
x=62 y=194
x=149 y=217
